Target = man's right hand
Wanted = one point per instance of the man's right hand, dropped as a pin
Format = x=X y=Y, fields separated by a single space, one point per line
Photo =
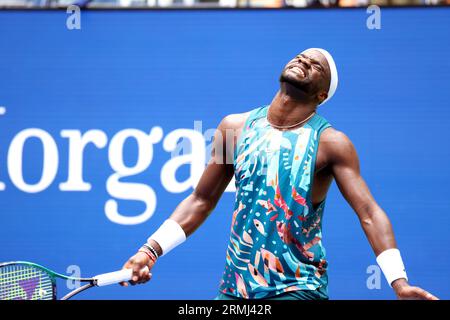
x=137 y=263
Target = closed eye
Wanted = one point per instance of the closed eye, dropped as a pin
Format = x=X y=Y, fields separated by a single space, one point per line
x=314 y=63
x=317 y=65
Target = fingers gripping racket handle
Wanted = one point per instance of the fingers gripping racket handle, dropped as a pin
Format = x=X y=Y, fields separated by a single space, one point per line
x=106 y=279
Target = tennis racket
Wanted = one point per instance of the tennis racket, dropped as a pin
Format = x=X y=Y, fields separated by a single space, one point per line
x=21 y=280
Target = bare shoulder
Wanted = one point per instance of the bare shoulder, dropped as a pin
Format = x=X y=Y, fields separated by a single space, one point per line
x=335 y=137
x=336 y=145
x=234 y=121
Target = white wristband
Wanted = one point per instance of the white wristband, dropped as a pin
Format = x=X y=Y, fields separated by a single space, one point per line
x=168 y=236
x=391 y=263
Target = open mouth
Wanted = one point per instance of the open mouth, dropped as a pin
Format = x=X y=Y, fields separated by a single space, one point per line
x=298 y=70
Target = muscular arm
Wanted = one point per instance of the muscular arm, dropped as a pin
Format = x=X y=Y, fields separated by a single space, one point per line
x=195 y=208
x=344 y=164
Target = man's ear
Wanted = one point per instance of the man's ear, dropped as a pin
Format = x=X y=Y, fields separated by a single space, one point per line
x=323 y=96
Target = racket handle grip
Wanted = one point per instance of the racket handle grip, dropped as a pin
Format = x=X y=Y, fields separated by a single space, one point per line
x=106 y=279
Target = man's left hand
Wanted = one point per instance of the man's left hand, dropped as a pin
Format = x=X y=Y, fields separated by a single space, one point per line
x=406 y=292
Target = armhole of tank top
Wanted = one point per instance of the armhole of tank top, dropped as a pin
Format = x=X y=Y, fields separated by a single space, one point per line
x=313 y=166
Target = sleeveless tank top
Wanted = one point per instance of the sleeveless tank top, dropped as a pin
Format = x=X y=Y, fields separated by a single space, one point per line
x=276 y=238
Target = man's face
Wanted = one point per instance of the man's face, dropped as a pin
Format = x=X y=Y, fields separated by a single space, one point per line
x=308 y=72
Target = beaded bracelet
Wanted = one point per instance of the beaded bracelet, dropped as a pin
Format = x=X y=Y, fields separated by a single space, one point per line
x=152 y=250
x=148 y=253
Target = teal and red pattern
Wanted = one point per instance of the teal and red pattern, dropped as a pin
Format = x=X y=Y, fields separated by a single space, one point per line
x=276 y=234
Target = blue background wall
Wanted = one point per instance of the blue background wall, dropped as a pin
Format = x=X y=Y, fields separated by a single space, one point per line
x=140 y=69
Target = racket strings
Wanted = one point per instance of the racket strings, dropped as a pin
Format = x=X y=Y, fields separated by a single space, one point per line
x=22 y=282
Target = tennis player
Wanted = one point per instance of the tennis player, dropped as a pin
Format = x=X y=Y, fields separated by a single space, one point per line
x=284 y=157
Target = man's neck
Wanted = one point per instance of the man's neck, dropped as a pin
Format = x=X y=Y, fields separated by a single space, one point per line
x=288 y=107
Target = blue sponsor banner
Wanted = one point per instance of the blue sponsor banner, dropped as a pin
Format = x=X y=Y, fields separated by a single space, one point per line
x=90 y=120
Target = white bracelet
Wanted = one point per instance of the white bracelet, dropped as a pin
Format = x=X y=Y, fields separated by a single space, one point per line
x=168 y=236
x=391 y=263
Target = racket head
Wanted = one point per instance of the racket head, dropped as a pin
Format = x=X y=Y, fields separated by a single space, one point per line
x=21 y=280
